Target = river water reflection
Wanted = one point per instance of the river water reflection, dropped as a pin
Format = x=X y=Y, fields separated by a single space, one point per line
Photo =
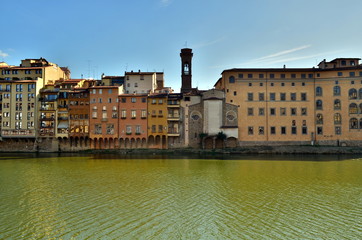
x=107 y=197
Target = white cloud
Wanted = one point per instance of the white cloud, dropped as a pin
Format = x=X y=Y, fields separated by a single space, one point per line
x=3 y=54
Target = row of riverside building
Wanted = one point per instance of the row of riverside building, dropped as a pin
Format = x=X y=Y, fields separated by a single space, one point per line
x=43 y=109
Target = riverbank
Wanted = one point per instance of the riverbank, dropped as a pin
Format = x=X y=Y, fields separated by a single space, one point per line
x=241 y=150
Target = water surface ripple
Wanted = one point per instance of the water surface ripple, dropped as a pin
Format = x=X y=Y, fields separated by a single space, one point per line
x=87 y=197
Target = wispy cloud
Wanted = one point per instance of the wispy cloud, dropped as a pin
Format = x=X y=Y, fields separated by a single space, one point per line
x=165 y=3
x=3 y=54
x=208 y=43
x=273 y=56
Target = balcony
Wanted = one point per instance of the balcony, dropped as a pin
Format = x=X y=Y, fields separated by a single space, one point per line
x=104 y=119
x=47 y=109
x=47 y=118
x=173 y=132
x=18 y=133
x=173 y=117
x=63 y=118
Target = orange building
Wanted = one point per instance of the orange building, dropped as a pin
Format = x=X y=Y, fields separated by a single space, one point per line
x=133 y=120
x=157 y=121
x=104 y=120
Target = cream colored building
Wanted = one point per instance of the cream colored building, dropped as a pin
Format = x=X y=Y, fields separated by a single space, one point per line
x=297 y=106
x=142 y=82
x=19 y=90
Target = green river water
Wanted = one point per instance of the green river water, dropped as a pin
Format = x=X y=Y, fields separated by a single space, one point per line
x=180 y=197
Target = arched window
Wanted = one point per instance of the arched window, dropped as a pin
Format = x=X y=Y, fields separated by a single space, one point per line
x=319 y=104
x=360 y=123
x=231 y=79
x=319 y=119
x=318 y=91
x=352 y=93
x=337 y=91
x=337 y=118
x=337 y=104
x=360 y=93
x=353 y=108
x=353 y=123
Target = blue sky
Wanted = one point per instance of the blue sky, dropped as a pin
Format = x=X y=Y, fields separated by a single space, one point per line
x=110 y=36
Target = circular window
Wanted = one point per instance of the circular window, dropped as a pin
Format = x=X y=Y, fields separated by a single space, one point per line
x=195 y=115
x=231 y=116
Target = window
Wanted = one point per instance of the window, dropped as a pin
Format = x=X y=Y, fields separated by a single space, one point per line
x=319 y=91
x=352 y=74
x=352 y=93
x=303 y=96
x=160 y=128
x=337 y=118
x=283 y=130
x=294 y=130
x=293 y=111
x=337 y=104
x=272 y=96
x=123 y=100
x=250 y=75
x=353 y=123
x=135 y=84
x=128 y=129
x=353 y=109
x=272 y=75
x=143 y=114
x=160 y=101
x=261 y=111
x=293 y=75
x=153 y=128
x=250 y=84
x=293 y=84
x=340 y=74
x=250 y=96
x=283 y=111
x=336 y=91
x=282 y=96
x=320 y=130
x=109 y=100
x=310 y=75
x=319 y=118
x=100 y=100
x=235 y=93
x=282 y=84
x=133 y=113
x=282 y=75
x=261 y=96
x=231 y=79
x=272 y=84
x=303 y=75
x=241 y=75
x=319 y=104
x=123 y=113
x=133 y=100
x=261 y=84
x=338 y=130
x=250 y=130
x=304 y=130
x=272 y=130
x=261 y=75
x=272 y=111
x=261 y=130
x=304 y=111
x=138 y=129
x=250 y=111
x=293 y=96
x=98 y=129
x=110 y=129
x=360 y=93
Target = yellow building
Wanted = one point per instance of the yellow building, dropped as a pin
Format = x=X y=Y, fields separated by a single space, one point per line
x=298 y=105
x=19 y=89
x=157 y=121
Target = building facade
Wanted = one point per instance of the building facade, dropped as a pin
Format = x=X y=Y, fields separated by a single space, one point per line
x=297 y=106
